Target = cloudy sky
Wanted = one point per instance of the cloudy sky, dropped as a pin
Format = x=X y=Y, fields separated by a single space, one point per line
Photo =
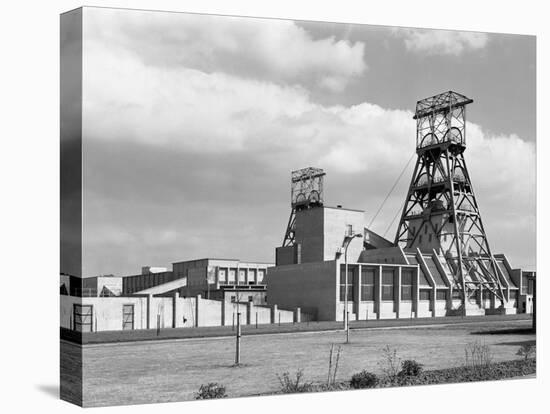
x=192 y=124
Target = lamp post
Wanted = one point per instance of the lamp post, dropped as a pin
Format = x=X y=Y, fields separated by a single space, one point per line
x=347 y=241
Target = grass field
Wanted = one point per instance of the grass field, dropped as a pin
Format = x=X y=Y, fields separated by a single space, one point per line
x=160 y=371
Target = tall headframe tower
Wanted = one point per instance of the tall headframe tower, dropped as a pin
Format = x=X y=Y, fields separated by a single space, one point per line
x=306 y=191
x=441 y=211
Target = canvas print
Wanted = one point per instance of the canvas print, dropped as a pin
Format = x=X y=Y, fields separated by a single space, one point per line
x=256 y=206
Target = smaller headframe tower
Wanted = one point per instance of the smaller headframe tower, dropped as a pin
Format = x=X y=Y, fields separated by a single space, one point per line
x=306 y=191
x=441 y=212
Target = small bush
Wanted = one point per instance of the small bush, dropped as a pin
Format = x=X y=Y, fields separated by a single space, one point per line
x=290 y=386
x=527 y=351
x=210 y=390
x=410 y=368
x=491 y=372
x=364 y=379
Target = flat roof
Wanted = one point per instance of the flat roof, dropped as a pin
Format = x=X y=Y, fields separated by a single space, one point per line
x=344 y=208
x=223 y=260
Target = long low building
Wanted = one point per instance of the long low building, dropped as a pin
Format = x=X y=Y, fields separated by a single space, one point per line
x=203 y=292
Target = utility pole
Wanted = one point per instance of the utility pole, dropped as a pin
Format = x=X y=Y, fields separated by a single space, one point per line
x=346 y=312
x=348 y=237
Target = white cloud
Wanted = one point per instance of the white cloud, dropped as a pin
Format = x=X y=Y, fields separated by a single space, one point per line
x=244 y=47
x=189 y=110
x=213 y=108
x=445 y=42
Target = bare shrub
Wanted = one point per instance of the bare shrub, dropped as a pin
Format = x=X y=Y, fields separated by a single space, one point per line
x=333 y=365
x=390 y=364
x=290 y=386
x=477 y=355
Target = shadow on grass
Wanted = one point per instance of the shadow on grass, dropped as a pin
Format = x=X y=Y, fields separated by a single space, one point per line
x=531 y=342
x=508 y=331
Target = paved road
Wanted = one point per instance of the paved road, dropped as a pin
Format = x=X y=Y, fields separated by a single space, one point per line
x=157 y=371
x=214 y=331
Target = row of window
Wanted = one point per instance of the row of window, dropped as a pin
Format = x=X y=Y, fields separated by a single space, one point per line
x=388 y=293
x=230 y=276
x=234 y=298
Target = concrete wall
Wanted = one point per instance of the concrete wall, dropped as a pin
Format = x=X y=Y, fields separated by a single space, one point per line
x=107 y=312
x=336 y=221
x=309 y=234
x=320 y=232
x=151 y=312
x=310 y=286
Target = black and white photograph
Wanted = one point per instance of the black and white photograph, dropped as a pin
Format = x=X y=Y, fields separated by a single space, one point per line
x=190 y=133
x=258 y=206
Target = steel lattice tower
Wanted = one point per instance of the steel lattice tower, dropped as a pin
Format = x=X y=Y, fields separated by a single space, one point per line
x=441 y=211
x=306 y=191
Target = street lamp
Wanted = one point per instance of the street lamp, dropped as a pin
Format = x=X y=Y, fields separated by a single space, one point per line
x=347 y=241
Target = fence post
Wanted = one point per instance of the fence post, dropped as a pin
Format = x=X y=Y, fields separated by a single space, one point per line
x=238 y=342
x=149 y=300
x=273 y=314
x=249 y=308
x=197 y=307
x=174 y=309
x=298 y=315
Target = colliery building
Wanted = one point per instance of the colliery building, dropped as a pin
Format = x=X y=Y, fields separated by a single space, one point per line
x=330 y=266
x=440 y=262
x=384 y=281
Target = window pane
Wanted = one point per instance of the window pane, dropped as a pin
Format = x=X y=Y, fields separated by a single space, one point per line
x=406 y=293
x=387 y=277
x=242 y=276
x=367 y=292
x=367 y=276
x=425 y=294
x=351 y=269
x=387 y=292
x=342 y=293
x=441 y=295
x=406 y=276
